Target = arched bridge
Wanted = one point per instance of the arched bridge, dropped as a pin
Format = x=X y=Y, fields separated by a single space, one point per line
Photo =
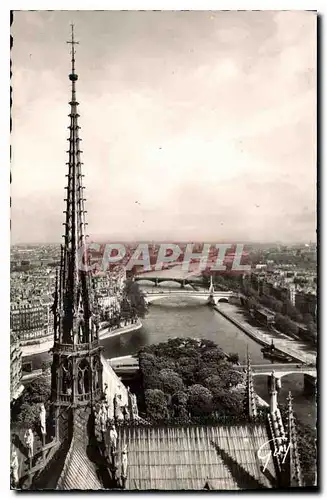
x=129 y=366
x=282 y=369
x=126 y=364
x=204 y=296
x=162 y=279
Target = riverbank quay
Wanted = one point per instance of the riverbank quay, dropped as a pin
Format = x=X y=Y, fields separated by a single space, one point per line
x=296 y=349
x=47 y=344
x=37 y=348
x=107 y=333
x=125 y=366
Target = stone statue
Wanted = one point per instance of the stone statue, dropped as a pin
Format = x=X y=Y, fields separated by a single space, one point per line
x=116 y=406
x=103 y=418
x=80 y=381
x=126 y=413
x=118 y=410
x=120 y=414
x=96 y=377
x=113 y=438
x=133 y=403
x=14 y=466
x=105 y=390
x=124 y=463
x=66 y=379
x=43 y=423
x=29 y=441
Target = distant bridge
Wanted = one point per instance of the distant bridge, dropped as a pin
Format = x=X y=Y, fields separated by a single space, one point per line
x=204 y=296
x=162 y=279
x=130 y=364
x=282 y=369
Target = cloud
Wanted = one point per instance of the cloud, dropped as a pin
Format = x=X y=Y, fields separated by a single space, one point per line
x=196 y=115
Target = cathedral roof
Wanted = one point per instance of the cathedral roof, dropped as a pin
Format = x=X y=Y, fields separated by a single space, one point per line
x=193 y=457
x=77 y=465
x=79 y=473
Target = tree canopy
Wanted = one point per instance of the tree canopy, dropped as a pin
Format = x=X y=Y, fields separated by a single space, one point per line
x=195 y=376
x=135 y=298
x=156 y=403
x=26 y=410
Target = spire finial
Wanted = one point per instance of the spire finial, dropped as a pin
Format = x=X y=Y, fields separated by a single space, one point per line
x=73 y=43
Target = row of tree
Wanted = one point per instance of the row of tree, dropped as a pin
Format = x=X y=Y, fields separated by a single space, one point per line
x=287 y=316
x=135 y=299
x=226 y=280
x=132 y=306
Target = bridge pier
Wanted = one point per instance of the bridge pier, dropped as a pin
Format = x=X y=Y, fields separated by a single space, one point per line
x=156 y=282
x=309 y=387
x=211 y=300
x=183 y=284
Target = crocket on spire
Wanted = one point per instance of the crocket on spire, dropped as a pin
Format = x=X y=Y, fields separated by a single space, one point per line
x=293 y=466
x=250 y=397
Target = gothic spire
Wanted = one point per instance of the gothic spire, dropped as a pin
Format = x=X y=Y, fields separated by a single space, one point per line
x=295 y=478
x=75 y=309
x=250 y=399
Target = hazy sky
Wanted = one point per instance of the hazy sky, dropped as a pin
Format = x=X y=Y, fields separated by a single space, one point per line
x=207 y=119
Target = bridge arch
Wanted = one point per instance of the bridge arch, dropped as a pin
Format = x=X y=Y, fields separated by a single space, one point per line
x=281 y=374
x=156 y=297
x=146 y=280
x=203 y=297
x=171 y=280
x=304 y=380
x=308 y=374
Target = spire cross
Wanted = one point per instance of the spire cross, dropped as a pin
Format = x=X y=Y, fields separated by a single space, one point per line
x=73 y=43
